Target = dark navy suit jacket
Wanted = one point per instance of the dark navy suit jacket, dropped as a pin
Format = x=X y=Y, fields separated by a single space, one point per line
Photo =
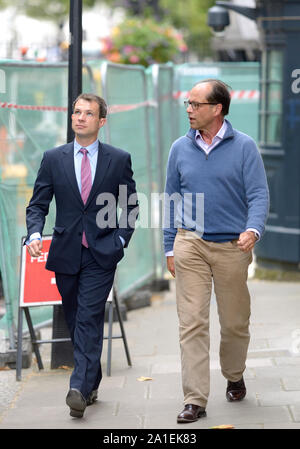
x=56 y=177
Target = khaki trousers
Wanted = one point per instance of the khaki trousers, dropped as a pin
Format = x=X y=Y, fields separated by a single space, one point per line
x=197 y=262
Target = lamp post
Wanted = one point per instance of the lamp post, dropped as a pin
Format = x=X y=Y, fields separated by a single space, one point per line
x=278 y=22
x=62 y=352
x=75 y=60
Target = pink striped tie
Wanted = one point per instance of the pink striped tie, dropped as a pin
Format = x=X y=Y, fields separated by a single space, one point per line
x=86 y=183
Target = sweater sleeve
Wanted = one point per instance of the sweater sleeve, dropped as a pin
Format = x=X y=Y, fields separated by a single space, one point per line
x=171 y=197
x=256 y=187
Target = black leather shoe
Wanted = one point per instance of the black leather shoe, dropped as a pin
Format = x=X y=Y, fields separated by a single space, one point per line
x=92 y=397
x=191 y=413
x=236 y=391
x=76 y=402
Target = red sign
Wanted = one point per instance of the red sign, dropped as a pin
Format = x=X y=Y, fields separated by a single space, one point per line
x=38 y=285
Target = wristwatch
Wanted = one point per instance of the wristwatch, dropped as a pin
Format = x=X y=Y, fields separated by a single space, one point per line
x=256 y=235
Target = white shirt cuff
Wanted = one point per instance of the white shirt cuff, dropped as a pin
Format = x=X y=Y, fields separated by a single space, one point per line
x=169 y=253
x=34 y=236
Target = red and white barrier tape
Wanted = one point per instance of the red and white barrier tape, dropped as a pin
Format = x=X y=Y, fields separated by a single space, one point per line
x=235 y=95
x=245 y=95
x=32 y=108
x=111 y=109
x=129 y=107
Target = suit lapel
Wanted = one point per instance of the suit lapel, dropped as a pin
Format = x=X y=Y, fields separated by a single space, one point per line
x=103 y=162
x=68 y=163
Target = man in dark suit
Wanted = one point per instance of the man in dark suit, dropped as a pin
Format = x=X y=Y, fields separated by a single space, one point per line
x=87 y=179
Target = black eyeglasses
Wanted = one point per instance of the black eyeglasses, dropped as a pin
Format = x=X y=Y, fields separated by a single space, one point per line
x=195 y=104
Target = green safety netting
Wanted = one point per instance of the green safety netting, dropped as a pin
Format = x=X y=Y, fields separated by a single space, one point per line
x=146 y=115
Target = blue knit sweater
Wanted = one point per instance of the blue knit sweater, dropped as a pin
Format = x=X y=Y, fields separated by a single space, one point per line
x=232 y=180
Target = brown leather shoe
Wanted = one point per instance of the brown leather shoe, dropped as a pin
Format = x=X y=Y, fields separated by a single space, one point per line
x=236 y=391
x=191 y=413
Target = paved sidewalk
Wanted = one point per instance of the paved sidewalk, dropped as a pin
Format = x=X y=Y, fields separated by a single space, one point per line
x=272 y=375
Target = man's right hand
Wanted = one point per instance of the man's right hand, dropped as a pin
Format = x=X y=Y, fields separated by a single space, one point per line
x=35 y=248
x=171 y=265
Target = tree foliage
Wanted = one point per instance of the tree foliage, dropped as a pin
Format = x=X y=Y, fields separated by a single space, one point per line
x=56 y=10
x=191 y=17
x=188 y=16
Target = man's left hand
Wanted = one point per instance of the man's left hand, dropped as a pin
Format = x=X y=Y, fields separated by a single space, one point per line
x=246 y=241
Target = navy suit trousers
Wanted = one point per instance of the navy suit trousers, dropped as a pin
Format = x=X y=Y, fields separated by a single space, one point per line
x=84 y=297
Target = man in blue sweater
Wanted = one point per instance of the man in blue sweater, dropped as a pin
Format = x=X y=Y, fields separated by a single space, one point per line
x=216 y=206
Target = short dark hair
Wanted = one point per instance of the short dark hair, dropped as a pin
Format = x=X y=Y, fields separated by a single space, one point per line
x=219 y=94
x=92 y=97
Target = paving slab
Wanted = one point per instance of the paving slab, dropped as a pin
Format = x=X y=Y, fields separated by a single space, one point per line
x=125 y=402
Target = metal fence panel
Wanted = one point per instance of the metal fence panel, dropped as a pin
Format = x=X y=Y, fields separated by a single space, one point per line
x=125 y=89
x=146 y=115
x=162 y=134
